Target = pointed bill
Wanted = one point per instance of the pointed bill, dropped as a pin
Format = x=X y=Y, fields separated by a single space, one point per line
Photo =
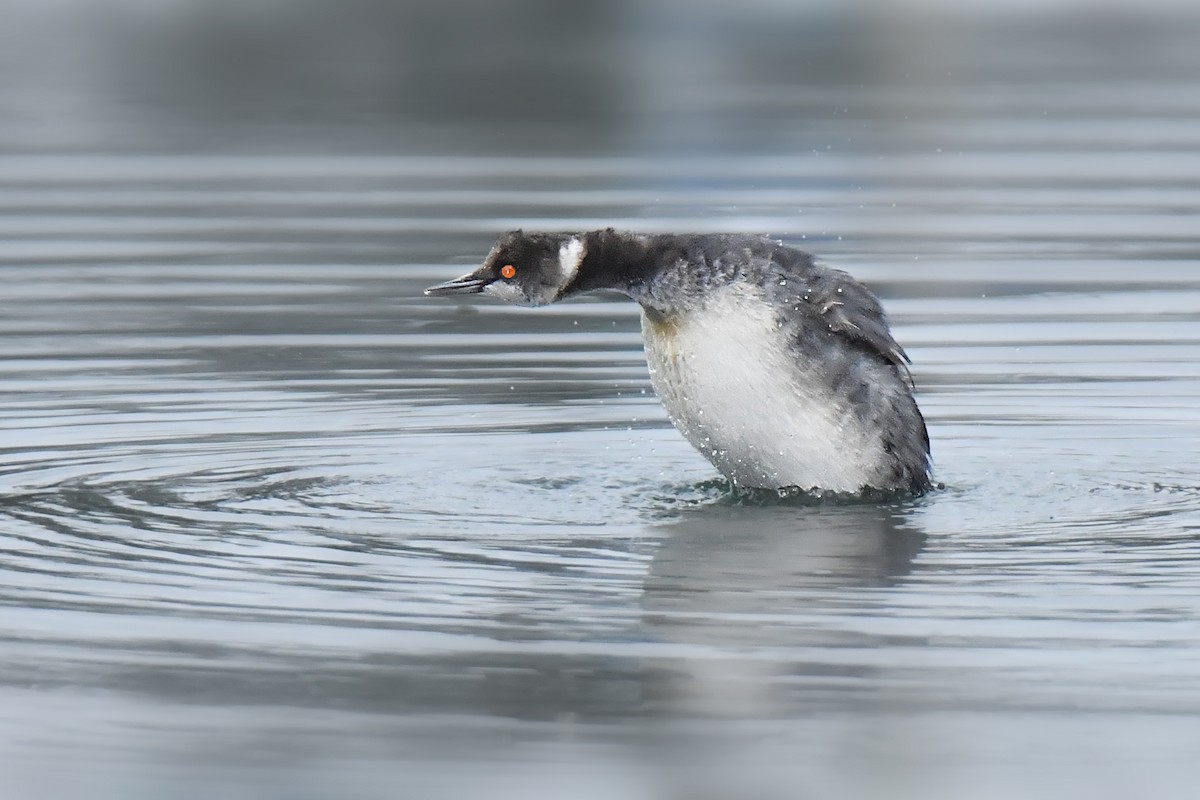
x=467 y=284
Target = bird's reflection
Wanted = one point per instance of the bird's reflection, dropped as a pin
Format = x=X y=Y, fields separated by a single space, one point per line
x=732 y=558
x=770 y=601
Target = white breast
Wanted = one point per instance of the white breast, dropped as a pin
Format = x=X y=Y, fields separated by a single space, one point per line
x=734 y=388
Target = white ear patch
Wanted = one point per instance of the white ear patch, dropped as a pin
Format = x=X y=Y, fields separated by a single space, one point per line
x=570 y=256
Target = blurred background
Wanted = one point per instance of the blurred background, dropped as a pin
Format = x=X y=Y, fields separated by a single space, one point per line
x=270 y=77
x=273 y=525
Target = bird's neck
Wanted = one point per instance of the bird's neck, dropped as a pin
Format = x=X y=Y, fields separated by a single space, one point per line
x=628 y=263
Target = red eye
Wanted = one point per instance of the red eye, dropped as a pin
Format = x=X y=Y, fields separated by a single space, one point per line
x=507 y=271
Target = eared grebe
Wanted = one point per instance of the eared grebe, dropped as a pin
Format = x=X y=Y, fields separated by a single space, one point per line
x=780 y=370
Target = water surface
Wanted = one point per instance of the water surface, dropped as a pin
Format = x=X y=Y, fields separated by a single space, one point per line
x=273 y=523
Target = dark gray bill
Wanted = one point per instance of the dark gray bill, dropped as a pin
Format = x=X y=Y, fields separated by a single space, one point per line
x=467 y=284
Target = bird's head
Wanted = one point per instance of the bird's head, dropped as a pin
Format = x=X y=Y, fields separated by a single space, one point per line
x=530 y=269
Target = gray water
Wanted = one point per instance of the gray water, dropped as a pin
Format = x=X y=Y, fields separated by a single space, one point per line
x=275 y=525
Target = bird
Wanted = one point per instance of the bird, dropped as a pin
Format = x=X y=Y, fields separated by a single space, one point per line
x=779 y=369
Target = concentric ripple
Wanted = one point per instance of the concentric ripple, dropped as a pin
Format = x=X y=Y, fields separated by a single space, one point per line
x=268 y=514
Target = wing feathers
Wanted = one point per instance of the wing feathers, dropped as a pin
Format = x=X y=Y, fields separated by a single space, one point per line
x=848 y=308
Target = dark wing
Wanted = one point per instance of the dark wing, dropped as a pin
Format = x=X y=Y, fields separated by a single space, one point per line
x=823 y=304
x=850 y=309
x=843 y=304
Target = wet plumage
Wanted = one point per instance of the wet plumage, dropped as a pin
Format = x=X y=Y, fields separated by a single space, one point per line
x=781 y=371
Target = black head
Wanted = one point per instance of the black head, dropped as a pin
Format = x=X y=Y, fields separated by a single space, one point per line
x=530 y=269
